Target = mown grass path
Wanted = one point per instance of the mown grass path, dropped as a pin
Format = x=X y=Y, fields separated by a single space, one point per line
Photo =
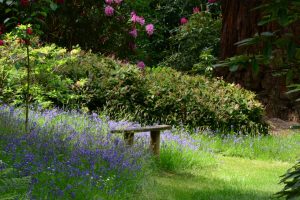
x=231 y=178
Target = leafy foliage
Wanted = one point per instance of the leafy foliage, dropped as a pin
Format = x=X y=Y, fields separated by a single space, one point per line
x=90 y=82
x=292 y=183
x=49 y=84
x=199 y=101
x=202 y=32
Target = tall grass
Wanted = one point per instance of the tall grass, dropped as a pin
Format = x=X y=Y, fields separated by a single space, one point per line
x=269 y=147
x=69 y=155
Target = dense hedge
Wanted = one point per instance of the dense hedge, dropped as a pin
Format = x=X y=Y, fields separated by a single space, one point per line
x=160 y=95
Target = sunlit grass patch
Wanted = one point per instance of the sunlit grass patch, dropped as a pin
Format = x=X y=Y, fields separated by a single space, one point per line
x=231 y=178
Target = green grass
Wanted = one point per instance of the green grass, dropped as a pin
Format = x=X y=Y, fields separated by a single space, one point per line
x=243 y=168
x=279 y=148
x=229 y=179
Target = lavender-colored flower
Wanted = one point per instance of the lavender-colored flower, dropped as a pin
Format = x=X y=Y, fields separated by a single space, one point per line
x=141 y=65
x=109 y=11
x=60 y=142
x=150 y=29
x=133 y=17
x=140 y=20
x=133 y=32
x=109 y=2
x=196 y=10
x=212 y=1
x=183 y=20
x=118 y=1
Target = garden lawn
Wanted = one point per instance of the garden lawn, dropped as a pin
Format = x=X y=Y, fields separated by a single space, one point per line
x=230 y=178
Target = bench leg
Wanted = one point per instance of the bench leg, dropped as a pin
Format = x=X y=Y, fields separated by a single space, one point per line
x=129 y=137
x=155 y=142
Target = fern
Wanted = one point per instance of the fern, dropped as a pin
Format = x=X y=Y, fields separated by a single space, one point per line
x=292 y=183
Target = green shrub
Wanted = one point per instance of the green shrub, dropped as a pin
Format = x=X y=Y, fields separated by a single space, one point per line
x=50 y=85
x=87 y=81
x=198 y=101
x=163 y=95
x=202 y=32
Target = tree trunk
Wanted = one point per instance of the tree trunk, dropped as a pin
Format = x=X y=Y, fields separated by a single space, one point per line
x=240 y=22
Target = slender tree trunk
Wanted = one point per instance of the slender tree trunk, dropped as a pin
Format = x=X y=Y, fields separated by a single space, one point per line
x=27 y=90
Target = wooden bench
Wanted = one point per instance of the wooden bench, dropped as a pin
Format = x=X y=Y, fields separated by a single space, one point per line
x=154 y=135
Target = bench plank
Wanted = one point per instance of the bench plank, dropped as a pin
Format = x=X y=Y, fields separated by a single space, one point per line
x=142 y=129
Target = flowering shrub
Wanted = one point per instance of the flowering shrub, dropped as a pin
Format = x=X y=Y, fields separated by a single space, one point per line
x=202 y=32
x=166 y=15
x=93 y=25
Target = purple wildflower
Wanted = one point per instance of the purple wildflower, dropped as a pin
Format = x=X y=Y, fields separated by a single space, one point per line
x=109 y=2
x=183 y=20
x=109 y=11
x=140 y=20
x=118 y=1
x=150 y=29
x=133 y=33
x=141 y=65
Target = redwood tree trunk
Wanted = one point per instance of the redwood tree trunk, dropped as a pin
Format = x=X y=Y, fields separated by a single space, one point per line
x=240 y=22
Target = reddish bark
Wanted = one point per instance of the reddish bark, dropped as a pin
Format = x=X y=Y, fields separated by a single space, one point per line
x=240 y=22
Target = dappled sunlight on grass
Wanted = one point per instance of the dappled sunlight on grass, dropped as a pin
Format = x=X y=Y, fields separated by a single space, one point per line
x=231 y=178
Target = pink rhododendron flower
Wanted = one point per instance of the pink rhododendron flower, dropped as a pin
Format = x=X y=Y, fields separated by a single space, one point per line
x=212 y=1
x=109 y=1
x=141 y=65
x=150 y=29
x=133 y=33
x=109 y=11
x=137 y=19
x=140 y=20
x=183 y=20
x=118 y=1
x=133 y=17
x=29 y=31
x=24 y=2
x=1 y=42
x=196 y=10
x=132 y=46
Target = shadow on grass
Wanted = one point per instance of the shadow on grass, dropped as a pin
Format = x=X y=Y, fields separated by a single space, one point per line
x=185 y=186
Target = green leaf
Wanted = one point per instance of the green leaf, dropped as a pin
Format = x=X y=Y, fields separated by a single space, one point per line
x=291 y=50
x=268 y=50
x=233 y=68
x=53 y=6
x=265 y=20
x=7 y=10
x=283 y=18
x=255 y=66
x=267 y=34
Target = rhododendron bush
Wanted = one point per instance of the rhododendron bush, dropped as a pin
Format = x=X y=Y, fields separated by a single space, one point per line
x=110 y=27
x=130 y=30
